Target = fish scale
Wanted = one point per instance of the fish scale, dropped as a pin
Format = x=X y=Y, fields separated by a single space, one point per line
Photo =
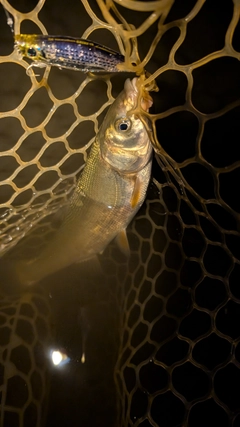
x=109 y=192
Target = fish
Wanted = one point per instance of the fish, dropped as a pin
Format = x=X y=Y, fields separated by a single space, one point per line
x=110 y=190
x=68 y=52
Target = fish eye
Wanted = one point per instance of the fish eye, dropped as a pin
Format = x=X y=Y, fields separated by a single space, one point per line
x=123 y=125
x=31 y=52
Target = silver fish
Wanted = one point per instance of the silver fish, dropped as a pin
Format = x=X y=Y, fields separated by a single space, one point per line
x=110 y=191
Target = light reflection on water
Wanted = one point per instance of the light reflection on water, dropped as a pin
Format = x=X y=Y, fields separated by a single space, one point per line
x=81 y=328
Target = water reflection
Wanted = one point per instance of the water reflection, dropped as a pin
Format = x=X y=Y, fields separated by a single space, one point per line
x=59 y=344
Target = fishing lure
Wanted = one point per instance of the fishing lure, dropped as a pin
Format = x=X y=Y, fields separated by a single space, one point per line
x=68 y=52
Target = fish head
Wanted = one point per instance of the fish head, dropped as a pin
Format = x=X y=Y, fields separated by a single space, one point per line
x=124 y=135
x=28 y=45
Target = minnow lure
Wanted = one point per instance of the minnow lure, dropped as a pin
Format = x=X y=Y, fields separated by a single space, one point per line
x=68 y=52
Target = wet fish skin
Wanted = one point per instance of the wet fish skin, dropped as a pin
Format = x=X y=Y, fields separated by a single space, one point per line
x=110 y=191
x=68 y=52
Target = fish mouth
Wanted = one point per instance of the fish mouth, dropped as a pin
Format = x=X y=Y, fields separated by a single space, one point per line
x=136 y=86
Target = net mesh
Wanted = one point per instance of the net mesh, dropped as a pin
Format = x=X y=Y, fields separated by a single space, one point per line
x=25 y=334
x=179 y=353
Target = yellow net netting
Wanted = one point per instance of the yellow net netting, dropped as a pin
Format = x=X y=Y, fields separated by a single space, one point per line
x=189 y=244
x=40 y=159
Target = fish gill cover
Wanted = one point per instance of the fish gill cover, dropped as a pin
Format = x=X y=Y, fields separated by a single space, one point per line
x=178 y=352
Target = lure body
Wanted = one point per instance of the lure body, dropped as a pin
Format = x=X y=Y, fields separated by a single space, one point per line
x=68 y=52
x=109 y=192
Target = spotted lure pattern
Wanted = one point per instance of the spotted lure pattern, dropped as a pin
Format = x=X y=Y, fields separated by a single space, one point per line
x=68 y=52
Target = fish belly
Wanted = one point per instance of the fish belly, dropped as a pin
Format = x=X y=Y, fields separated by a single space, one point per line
x=99 y=209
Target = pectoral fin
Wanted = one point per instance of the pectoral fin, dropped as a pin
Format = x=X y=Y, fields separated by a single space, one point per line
x=122 y=242
x=136 y=194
